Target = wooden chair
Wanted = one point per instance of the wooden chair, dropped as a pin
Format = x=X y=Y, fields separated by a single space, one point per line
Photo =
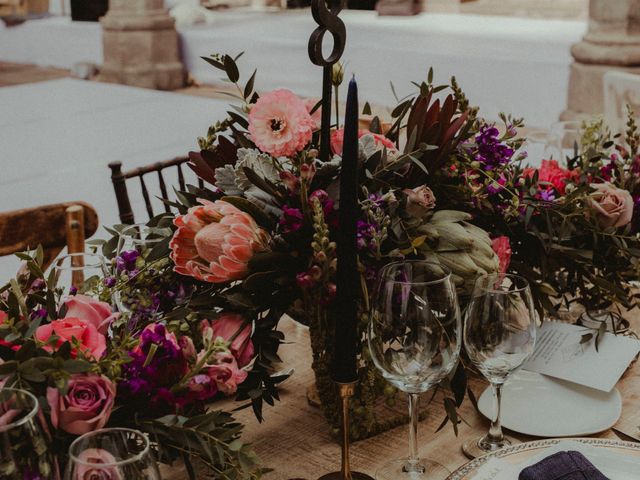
x=52 y=226
x=119 y=179
x=620 y=89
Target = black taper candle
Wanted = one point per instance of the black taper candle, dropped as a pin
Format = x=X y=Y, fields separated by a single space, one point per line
x=346 y=305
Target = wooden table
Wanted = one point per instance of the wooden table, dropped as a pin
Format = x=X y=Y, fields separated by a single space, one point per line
x=294 y=440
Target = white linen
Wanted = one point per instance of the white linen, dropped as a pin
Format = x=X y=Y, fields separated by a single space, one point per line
x=504 y=64
x=58 y=136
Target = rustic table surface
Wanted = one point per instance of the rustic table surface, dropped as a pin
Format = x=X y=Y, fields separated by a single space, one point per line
x=295 y=441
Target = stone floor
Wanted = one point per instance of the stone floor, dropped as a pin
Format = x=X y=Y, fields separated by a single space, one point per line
x=17 y=73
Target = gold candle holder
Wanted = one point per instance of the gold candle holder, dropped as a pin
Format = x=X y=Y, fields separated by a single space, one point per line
x=346 y=391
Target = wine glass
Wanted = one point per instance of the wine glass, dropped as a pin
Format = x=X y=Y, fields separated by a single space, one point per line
x=112 y=453
x=565 y=137
x=137 y=293
x=139 y=237
x=79 y=272
x=414 y=340
x=499 y=336
x=24 y=451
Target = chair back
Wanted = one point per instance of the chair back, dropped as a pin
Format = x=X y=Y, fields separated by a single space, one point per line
x=620 y=89
x=25 y=229
x=119 y=180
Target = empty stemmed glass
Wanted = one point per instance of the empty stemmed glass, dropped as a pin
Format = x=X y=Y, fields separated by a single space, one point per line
x=79 y=272
x=499 y=336
x=414 y=340
x=135 y=246
x=24 y=445
x=112 y=453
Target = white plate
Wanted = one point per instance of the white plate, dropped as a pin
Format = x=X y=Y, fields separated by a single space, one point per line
x=542 y=406
x=613 y=456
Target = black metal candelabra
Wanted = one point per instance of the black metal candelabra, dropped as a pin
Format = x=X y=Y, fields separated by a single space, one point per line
x=328 y=21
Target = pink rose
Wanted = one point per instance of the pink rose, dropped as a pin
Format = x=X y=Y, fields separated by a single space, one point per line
x=612 y=206
x=420 y=201
x=86 y=406
x=226 y=373
x=502 y=247
x=96 y=464
x=337 y=140
x=91 y=310
x=226 y=326
x=75 y=331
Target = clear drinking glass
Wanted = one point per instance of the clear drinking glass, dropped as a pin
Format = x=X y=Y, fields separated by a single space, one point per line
x=79 y=272
x=136 y=296
x=24 y=450
x=565 y=138
x=414 y=339
x=139 y=237
x=112 y=453
x=499 y=336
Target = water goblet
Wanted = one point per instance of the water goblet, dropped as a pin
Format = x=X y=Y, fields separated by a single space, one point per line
x=499 y=336
x=136 y=295
x=414 y=339
x=24 y=451
x=79 y=272
x=112 y=453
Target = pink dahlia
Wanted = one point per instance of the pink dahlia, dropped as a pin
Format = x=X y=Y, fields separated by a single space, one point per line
x=280 y=124
x=215 y=241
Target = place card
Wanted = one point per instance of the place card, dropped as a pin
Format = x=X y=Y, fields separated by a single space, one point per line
x=560 y=352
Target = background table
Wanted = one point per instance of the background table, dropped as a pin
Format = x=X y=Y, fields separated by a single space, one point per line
x=294 y=440
x=516 y=65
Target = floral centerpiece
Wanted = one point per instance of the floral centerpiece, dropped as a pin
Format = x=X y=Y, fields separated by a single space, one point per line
x=438 y=182
x=157 y=368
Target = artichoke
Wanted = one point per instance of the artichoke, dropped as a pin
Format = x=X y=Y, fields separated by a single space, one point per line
x=464 y=248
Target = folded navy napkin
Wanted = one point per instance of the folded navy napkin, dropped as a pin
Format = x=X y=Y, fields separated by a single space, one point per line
x=568 y=465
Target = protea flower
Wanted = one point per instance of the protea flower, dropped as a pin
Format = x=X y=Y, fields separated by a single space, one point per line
x=215 y=241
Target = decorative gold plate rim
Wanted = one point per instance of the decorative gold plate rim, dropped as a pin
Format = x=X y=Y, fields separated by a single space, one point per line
x=472 y=466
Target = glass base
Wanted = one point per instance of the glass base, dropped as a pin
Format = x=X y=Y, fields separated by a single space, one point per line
x=481 y=446
x=401 y=470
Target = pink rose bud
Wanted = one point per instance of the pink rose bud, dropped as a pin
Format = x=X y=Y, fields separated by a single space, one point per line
x=86 y=406
x=420 y=201
x=97 y=464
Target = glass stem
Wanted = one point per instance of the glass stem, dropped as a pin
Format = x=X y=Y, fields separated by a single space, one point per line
x=413 y=429
x=495 y=431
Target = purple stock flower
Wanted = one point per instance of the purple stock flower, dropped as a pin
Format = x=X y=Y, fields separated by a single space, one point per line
x=147 y=381
x=126 y=261
x=491 y=152
x=109 y=282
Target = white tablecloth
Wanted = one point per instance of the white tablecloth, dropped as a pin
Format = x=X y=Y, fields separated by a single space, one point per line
x=504 y=63
x=57 y=137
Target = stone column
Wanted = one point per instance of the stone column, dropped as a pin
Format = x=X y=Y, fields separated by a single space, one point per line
x=612 y=42
x=140 y=45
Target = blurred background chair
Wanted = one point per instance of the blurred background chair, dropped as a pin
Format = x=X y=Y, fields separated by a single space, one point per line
x=620 y=89
x=119 y=179
x=52 y=226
